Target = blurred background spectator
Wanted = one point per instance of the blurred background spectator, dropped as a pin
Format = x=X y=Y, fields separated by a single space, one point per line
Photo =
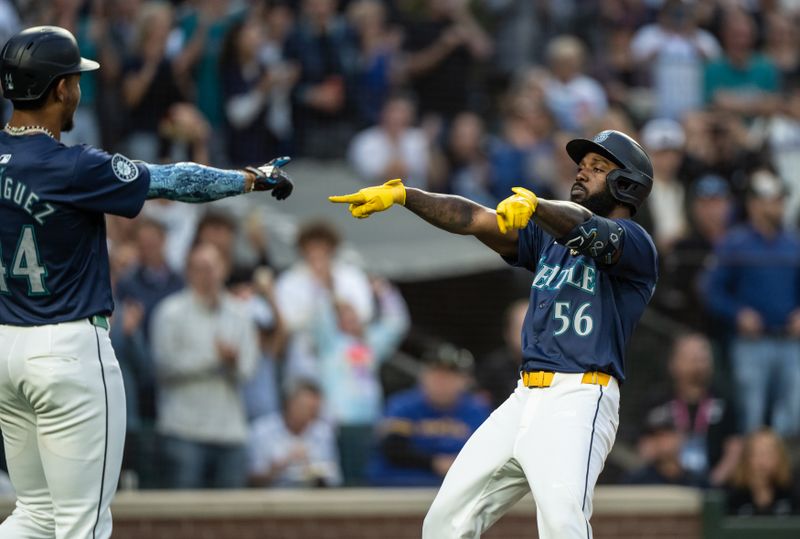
x=424 y=428
x=704 y=418
x=663 y=465
x=762 y=481
x=350 y=355
x=672 y=52
x=394 y=148
x=294 y=447
x=574 y=98
x=664 y=214
x=444 y=46
x=324 y=48
x=204 y=345
x=753 y=289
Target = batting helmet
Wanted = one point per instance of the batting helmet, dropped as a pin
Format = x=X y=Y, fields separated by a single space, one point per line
x=34 y=58
x=631 y=183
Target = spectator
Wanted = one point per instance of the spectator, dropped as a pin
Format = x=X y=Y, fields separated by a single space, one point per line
x=262 y=392
x=720 y=143
x=574 y=98
x=294 y=447
x=762 y=482
x=151 y=280
x=442 y=50
x=246 y=86
x=742 y=81
x=378 y=68
x=615 y=68
x=467 y=160
x=180 y=227
x=279 y=21
x=298 y=293
x=319 y=269
x=89 y=28
x=662 y=454
x=350 y=355
x=248 y=89
x=782 y=48
x=753 y=288
x=325 y=49
x=202 y=29
x=664 y=214
x=673 y=52
x=522 y=155
x=394 y=148
x=783 y=140
x=518 y=32
x=498 y=373
x=138 y=293
x=150 y=89
x=679 y=289
x=424 y=428
x=204 y=345
x=221 y=229
x=705 y=418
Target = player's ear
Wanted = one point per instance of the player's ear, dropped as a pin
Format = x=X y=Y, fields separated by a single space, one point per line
x=60 y=90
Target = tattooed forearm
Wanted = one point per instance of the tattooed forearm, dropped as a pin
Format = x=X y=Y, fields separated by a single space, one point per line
x=190 y=182
x=451 y=213
x=559 y=218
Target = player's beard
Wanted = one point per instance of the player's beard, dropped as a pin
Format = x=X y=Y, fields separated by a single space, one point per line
x=601 y=203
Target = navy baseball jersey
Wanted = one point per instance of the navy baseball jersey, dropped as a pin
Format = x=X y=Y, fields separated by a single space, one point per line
x=581 y=315
x=53 y=254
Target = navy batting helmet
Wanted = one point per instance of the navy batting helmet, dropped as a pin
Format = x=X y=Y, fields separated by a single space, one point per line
x=34 y=58
x=629 y=184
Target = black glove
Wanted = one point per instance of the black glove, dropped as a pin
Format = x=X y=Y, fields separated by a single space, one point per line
x=270 y=177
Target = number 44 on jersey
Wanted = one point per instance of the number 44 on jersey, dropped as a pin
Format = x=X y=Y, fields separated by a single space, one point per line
x=25 y=264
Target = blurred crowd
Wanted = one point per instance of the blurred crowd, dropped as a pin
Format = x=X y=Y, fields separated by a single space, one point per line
x=241 y=373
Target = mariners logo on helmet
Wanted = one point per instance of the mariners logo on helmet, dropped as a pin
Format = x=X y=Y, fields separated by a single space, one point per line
x=602 y=136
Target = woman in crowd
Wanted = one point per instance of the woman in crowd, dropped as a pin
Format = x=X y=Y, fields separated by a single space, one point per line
x=762 y=482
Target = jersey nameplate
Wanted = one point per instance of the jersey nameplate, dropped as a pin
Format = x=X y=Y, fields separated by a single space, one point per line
x=18 y=193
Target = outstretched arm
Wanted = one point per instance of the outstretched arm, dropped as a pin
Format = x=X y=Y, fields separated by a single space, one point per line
x=191 y=182
x=461 y=216
x=448 y=212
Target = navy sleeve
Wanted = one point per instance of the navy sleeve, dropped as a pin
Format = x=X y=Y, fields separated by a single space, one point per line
x=530 y=243
x=108 y=183
x=639 y=259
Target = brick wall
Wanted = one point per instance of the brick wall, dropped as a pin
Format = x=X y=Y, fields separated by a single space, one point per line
x=510 y=527
x=619 y=513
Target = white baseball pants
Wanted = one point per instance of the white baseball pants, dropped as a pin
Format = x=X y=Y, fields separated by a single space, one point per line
x=62 y=413
x=551 y=441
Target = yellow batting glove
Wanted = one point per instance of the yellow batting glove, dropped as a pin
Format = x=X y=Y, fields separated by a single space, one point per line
x=515 y=211
x=373 y=199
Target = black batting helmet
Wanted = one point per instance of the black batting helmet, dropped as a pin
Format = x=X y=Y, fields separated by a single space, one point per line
x=34 y=58
x=629 y=184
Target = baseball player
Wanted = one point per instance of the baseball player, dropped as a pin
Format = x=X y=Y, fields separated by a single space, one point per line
x=594 y=271
x=62 y=406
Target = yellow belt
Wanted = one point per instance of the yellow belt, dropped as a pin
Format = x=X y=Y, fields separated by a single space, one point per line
x=545 y=378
